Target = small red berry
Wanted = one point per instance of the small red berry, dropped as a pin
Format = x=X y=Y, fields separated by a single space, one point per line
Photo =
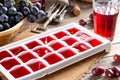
x=98 y=71
x=82 y=22
x=116 y=71
x=116 y=57
x=109 y=73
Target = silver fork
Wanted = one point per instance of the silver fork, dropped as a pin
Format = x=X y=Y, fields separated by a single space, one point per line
x=44 y=26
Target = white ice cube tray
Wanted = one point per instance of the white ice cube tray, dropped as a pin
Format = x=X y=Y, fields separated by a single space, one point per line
x=50 y=51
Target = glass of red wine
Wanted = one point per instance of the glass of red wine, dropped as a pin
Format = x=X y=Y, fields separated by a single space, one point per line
x=105 y=17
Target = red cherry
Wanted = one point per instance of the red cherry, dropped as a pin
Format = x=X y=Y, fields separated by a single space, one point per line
x=109 y=73
x=116 y=71
x=116 y=57
x=98 y=71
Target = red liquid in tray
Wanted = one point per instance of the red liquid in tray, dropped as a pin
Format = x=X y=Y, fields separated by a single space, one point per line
x=17 y=50
x=27 y=56
x=32 y=44
x=81 y=47
x=4 y=54
x=19 y=72
x=73 y=30
x=94 y=42
x=53 y=58
x=60 y=34
x=105 y=22
x=9 y=63
x=46 y=39
x=70 y=40
x=67 y=53
x=56 y=45
x=41 y=51
x=37 y=66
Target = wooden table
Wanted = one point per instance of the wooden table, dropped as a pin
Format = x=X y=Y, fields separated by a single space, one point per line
x=75 y=71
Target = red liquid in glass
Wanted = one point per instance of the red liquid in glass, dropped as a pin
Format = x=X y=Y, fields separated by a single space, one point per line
x=41 y=51
x=52 y=58
x=4 y=54
x=60 y=34
x=9 y=63
x=105 y=22
x=81 y=47
x=19 y=72
x=37 y=66
x=32 y=44
x=27 y=56
x=17 y=50
x=67 y=53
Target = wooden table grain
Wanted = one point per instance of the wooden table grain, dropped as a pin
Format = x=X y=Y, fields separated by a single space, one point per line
x=76 y=71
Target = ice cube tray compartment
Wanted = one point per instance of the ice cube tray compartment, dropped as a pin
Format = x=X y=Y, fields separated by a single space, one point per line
x=50 y=51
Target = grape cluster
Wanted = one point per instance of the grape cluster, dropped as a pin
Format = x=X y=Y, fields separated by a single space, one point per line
x=11 y=13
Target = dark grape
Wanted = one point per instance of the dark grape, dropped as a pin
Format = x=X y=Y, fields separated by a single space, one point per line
x=19 y=16
x=24 y=3
x=6 y=26
x=1 y=5
x=109 y=73
x=3 y=18
x=116 y=71
x=91 y=16
x=3 y=10
x=26 y=11
x=31 y=18
x=38 y=4
x=98 y=71
x=82 y=22
x=1 y=27
x=34 y=10
x=41 y=14
x=12 y=11
x=8 y=3
x=11 y=19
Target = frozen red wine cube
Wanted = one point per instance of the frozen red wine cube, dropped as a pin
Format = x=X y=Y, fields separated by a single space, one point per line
x=60 y=34
x=70 y=40
x=73 y=30
x=82 y=35
x=81 y=47
x=9 y=63
x=67 y=53
x=41 y=51
x=32 y=44
x=35 y=66
x=53 y=58
x=26 y=56
x=56 y=45
x=17 y=50
x=94 y=42
x=4 y=54
x=46 y=39
x=19 y=72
